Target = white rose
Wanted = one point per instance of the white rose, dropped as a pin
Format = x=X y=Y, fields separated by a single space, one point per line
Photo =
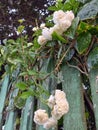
x=50 y=123
x=59 y=95
x=69 y=15
x=60 y=109
x=35 y=29
x=64 y=24
x=42 y=40
x=40 y=117
x=56 y=28
x=42 y=25
x=57 y=16
x=47 y=33
x=51 y=101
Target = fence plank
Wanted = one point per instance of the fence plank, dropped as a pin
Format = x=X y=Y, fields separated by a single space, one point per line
x=3 y=93
x=74 y=119
x=27 y=115
x=94 y=90
x=11 y=114
x=49 y=84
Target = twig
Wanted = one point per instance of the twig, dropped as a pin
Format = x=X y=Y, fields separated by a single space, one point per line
x=88 y=101
x=60 y=61
x=77 y=68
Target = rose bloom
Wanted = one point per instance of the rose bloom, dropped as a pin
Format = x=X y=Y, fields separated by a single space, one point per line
x=51 y=122
x=60 y=109
x=51 y=101
x=42 y=25
x=64 y=24
x=56 y=28
x=35 y=29
x=42 y=40
x=57 y=16
x=69 y=15
x=40 y=117
x=47 y=33
x=59 y=95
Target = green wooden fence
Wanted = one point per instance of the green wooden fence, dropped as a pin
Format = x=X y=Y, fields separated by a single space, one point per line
x=71 y=84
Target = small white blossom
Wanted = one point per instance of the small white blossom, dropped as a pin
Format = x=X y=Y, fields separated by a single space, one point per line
x=64 y=25
x=51 y=122
x=42 y=40
x=40 y=117
x=69 y=15
x=35 y=29
x=59 y=95
x=47 y=33
x=57 y=16
x=61 y=108
x=51 y=101
x=42 y=25
x=56 y=28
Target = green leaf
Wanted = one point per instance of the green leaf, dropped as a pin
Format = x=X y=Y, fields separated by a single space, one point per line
x=89 y=10
x=19 y=102
x=92 y=60
x=20 y=28
x=21 y=85
x=82 y=27
x=11 y=41
x=25 y=95
x=72 y=30
x=14 y=61
x=83 y=42
x=52 y=8
x=58 y=37
x=71 y=5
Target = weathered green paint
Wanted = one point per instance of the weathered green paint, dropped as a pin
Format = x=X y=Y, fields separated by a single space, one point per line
x=94 y=90
x=3 y=94
x=11 y=114
x=49 y=84
x=74 y=119
x=26 y=121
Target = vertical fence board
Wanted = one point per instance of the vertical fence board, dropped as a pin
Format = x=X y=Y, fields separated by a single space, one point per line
x=49 y=84
x=11 y=114
x=3 y=94
x=74 y=119
x=27 y=115
x=26 y=121
x=94 y=90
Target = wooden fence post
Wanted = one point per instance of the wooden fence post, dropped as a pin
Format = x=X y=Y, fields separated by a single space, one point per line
x=75 y=118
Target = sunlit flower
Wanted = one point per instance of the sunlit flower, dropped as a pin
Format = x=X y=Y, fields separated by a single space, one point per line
x=64 y=25
x=59 y=95
x=51 y=101
x=51 y=122
x=40 y=117
x=42 y=25
x=46 y=33
x=35 y=29
x=69 y=15
x=57 y=16
x=42 y=40
x=56 y=28
x=61 y=108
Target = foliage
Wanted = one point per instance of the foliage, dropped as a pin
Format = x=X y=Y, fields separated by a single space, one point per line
x=78 y=44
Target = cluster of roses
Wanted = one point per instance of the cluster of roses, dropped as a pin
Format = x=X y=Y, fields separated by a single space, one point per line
x=59 y=105
x=62 y=21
